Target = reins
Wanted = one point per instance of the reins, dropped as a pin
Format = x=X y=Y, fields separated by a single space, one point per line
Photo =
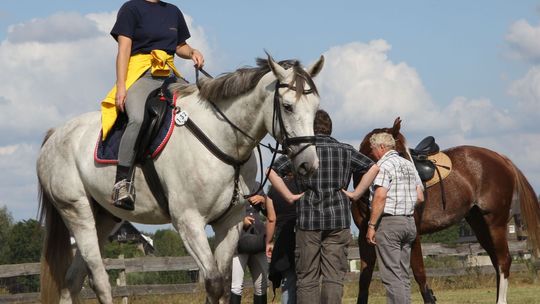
x=276 y=116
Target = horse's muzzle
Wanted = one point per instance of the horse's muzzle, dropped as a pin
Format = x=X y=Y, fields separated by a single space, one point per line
x=307 y=169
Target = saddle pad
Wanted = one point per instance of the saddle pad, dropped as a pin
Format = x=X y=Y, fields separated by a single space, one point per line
x=443 y=163
x=106 y=152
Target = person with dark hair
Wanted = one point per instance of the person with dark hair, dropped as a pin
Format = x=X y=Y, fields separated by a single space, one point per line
x=149 y=33
x=323 y=213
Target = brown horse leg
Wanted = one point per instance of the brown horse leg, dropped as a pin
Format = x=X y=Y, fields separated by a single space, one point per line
x=417 y=265
x=368 y=258
x=493 y=240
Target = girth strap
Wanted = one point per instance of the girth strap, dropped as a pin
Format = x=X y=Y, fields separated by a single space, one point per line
x=152 y=179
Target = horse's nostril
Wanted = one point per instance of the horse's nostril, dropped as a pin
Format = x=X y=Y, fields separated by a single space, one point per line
x=303 y=169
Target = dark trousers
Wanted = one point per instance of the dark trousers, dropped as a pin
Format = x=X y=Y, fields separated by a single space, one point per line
x=321 y=253
x=394 y=238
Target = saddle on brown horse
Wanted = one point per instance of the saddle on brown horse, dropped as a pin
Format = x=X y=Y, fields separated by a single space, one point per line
x=428 y=159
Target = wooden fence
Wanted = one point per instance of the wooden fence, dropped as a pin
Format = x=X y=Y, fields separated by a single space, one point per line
x=150 y=264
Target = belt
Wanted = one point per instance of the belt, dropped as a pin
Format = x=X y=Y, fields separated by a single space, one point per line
x=405 y=215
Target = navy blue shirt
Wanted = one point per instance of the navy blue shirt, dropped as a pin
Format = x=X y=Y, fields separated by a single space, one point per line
x=151 y=26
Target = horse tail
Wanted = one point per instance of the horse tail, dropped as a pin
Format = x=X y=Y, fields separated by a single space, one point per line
x=56 y=255
x=530 y=210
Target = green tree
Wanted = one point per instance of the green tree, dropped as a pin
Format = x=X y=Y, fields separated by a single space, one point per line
x=168 y=243
x=449 y=235
x=114 y=249
x=6 y=222
x=23 y=245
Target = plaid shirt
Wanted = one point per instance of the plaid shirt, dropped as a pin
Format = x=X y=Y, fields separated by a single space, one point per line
x=399 y=176
x=324 y=206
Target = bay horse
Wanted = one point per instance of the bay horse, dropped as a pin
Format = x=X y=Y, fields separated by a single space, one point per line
x=76 y=191
x=480 y=189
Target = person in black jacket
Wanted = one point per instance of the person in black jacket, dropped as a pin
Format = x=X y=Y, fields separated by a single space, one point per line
x=282 y=266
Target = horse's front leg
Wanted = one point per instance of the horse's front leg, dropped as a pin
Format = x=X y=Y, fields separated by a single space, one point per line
x=227 y=232
x=191 y=226
x=417 y=265
x=368 y=257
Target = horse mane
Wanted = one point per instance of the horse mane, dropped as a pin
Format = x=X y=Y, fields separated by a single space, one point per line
x=243 y=80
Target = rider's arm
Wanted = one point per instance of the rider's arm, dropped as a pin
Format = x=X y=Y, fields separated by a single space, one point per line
x=185 y=51
x=122 y=61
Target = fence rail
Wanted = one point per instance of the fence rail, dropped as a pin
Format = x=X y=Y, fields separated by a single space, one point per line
x=187 y=263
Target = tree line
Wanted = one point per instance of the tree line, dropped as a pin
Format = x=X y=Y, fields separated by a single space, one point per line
x=21 y=242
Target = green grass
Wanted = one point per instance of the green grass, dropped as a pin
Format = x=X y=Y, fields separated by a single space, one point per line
x=469 y=289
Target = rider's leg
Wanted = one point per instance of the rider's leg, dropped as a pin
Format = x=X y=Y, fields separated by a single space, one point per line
x=134 y=107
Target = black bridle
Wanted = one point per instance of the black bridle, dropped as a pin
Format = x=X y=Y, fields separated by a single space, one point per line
x=286 y=140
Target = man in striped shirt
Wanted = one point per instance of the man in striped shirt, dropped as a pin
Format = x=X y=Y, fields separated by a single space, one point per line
x=396 y=190
x=323 y=213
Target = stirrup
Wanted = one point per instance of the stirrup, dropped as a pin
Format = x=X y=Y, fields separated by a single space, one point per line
x=123 y=195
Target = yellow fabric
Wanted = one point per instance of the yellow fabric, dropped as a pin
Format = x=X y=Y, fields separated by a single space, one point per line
x=160 y=64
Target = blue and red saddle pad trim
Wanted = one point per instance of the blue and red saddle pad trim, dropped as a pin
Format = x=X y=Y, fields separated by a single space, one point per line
x=106 y=151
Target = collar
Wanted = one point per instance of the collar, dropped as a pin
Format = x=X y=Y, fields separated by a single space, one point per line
x=387 y=155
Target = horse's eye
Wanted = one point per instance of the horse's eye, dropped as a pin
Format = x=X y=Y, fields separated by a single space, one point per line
x=288 y=107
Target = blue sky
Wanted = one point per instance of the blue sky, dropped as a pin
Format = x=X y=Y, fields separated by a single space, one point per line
x=464 y=71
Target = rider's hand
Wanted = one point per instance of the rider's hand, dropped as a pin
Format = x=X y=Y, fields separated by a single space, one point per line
x=197 y=58
x=120 y=98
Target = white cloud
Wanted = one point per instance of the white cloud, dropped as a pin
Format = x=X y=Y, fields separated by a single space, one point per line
x=361 y=86
x=524 y=40
x=527 y=91
x=475 y=116
x=46 y=81
x=8 y=150
x=59 y=27
x=18 y=179
x=53 y=69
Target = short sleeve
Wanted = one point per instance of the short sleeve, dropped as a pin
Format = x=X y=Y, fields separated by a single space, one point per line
x=183 y=30
x=125 y=24
x=359 y=162
x=383 y=178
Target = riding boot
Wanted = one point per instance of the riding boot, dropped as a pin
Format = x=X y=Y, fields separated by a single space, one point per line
x=123 y=191
x=235 y=299
x=259 y=299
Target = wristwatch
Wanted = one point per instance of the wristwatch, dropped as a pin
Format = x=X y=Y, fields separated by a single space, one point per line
x=370 y=224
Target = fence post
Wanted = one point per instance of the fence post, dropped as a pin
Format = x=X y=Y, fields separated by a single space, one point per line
x=121 y=280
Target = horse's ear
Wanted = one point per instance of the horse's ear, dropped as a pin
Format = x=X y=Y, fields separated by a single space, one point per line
x=316 y=67
x=396 y=127
x=279 y=71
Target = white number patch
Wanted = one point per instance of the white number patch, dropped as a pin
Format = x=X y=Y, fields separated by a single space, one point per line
x=181 y=118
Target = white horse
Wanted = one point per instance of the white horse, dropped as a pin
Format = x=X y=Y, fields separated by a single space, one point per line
x=76 y=191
